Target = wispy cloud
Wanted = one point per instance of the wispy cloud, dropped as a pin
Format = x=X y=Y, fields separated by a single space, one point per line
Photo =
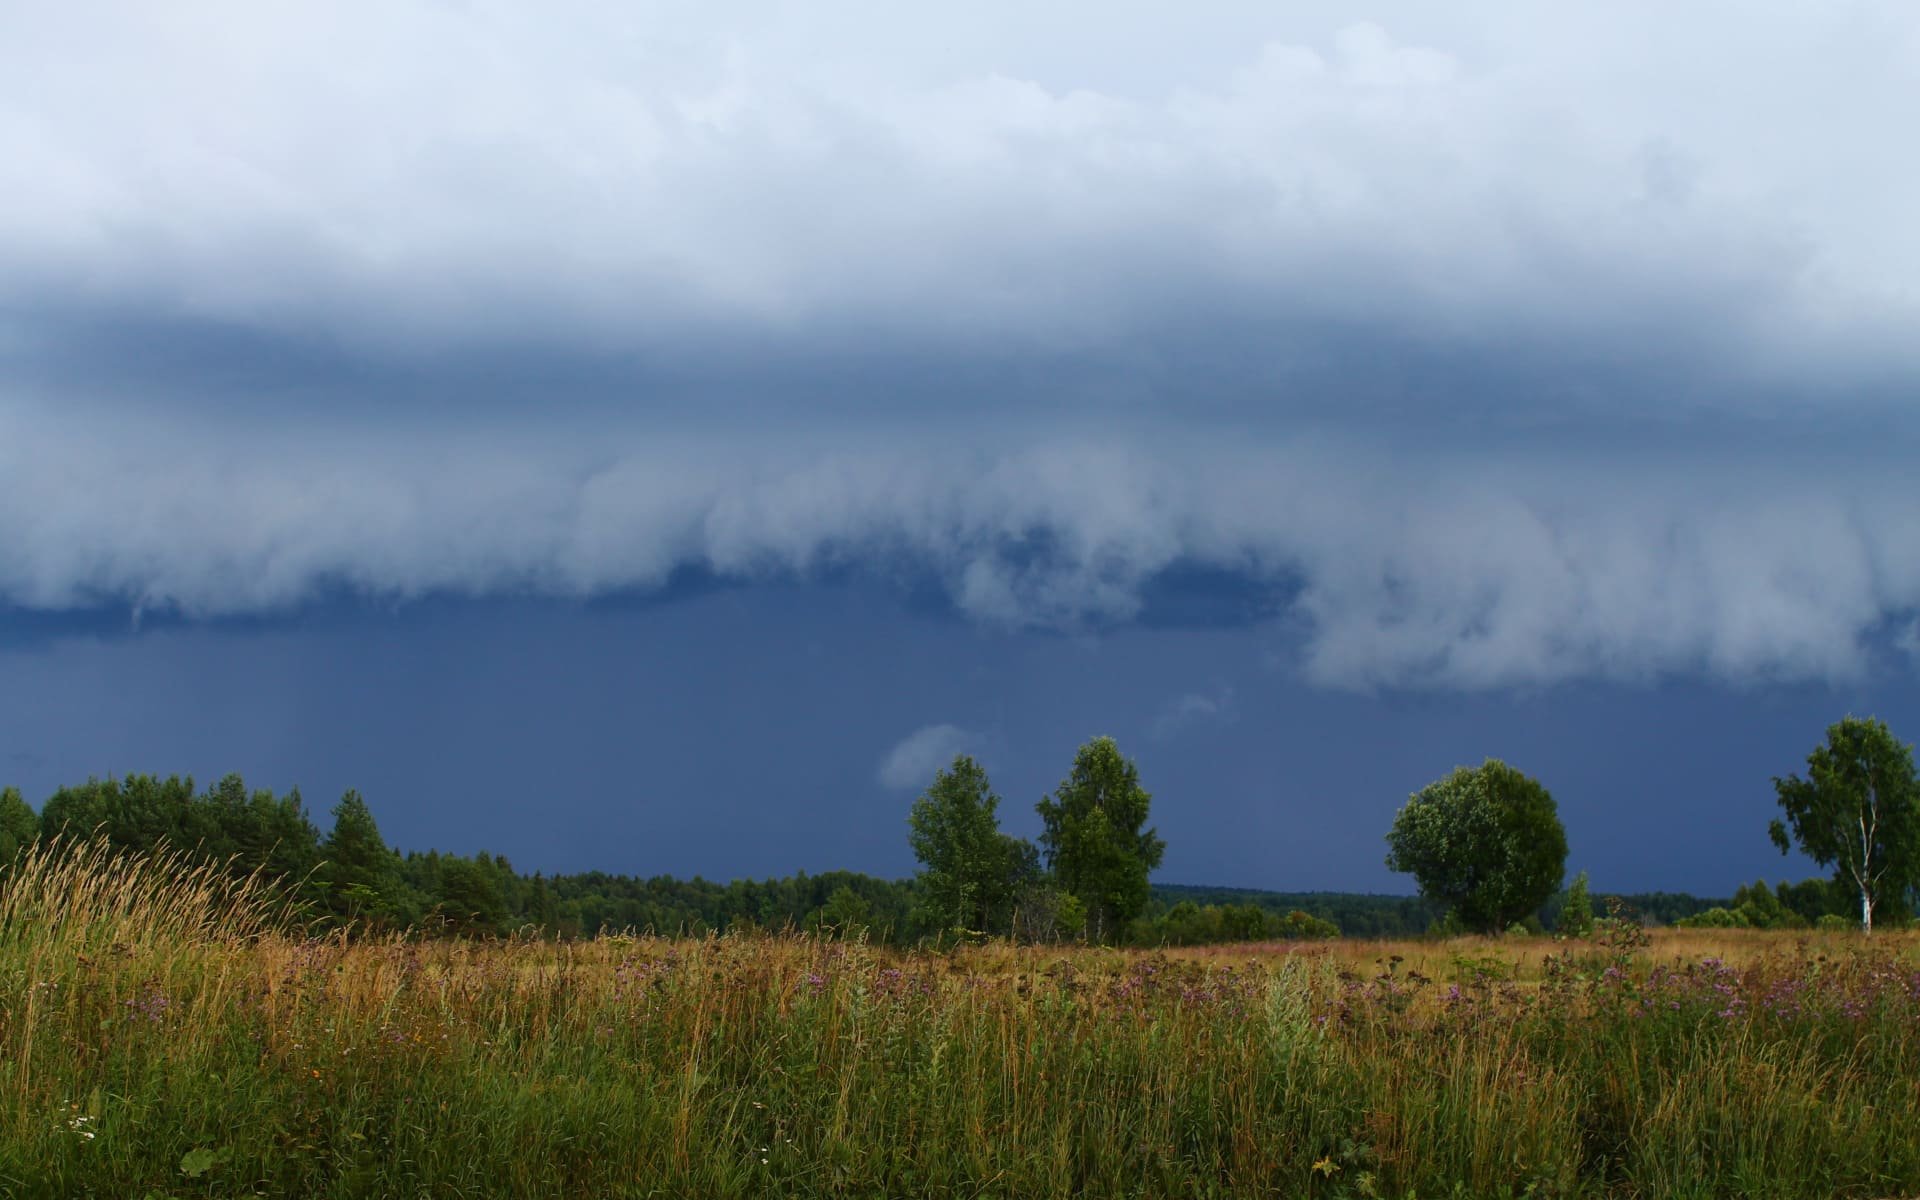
x=1192 y=708
x=916 y=758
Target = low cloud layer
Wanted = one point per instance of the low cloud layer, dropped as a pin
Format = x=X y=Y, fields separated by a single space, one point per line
x=1455 y=566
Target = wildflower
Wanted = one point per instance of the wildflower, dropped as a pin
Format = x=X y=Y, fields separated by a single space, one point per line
x=152 y=1003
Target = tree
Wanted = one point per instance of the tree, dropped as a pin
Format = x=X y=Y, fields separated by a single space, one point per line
x=1485 y=842
x=970 y=869
x=845 y=914
x=19 y=825
x=469 y=899
x=360 y=871
x=1094 y=839
x=135 y=813
x=1811 y=899
x=1576 y=916
x=1858 y=812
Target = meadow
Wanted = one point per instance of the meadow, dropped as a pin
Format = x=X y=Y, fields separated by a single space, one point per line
x=162 y=1035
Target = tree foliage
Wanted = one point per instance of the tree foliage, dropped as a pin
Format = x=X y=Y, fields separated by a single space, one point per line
x=1857 y=811
x=845 y=914
x=1356 y=914
x=970 y=871
x=247 y=830
x=360 y=873
x=1576 y=915
x=1190 y=924
x=1096 y=840
x=1485 y=843
x=19 y=825
x=1785 y=906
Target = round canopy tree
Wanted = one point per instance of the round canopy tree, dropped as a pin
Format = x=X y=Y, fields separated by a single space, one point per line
x=1485 y=843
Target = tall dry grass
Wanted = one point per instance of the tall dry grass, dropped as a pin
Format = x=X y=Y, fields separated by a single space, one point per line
x=157 y=1035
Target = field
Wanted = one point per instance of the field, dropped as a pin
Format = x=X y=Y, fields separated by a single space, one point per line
x=156 y=1038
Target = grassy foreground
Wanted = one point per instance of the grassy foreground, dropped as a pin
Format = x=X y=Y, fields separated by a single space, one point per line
x=156 y=1039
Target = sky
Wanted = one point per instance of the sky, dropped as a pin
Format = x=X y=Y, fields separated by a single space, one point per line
x=655 y=437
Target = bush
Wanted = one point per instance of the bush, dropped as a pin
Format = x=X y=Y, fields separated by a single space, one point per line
x=1190 y=924
x=1300 y=926
x=1714 y=918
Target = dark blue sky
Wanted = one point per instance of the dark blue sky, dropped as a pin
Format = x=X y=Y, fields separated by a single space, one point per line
x=653 y=437
x=744 y=732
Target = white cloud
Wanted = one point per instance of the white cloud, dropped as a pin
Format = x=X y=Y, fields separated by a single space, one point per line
x=1631 y=285
x=918 y=757
x=1184 y=711
x=390 y=177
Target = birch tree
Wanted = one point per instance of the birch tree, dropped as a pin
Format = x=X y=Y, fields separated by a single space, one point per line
x=970 y=869
x=1096 y=838
x=1857 y=811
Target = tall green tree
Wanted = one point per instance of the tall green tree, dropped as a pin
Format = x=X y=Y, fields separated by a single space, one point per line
x=1096 y=838
x=19 y=825
x=1485 y=842
x=359 y=871
x=969 y=869
x=1576 y=916
x=845 y=913
x=1857 y=811
x=468 y=898
x=134 y=813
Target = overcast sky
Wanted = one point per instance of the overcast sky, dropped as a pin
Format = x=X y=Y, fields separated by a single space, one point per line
x=654 y=437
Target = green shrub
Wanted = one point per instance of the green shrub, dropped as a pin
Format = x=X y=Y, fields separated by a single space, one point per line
x=1714 y=918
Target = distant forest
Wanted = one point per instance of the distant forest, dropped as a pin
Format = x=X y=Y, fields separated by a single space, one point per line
x=348 y=874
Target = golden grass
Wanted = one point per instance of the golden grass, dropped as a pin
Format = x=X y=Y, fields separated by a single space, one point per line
x=153 y=1020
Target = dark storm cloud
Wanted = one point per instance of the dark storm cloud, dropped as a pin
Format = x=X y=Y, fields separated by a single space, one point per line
x=1499 y=348
x=1462 y=565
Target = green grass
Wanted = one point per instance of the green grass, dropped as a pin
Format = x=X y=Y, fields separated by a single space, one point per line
x=156 y=1038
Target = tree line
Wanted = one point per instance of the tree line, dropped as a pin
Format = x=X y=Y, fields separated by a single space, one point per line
x=1484 y=845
